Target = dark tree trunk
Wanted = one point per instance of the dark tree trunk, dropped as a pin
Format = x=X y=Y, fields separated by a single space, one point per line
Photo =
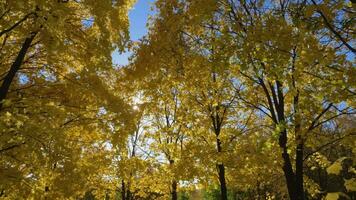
x=174 y=190
x=128 y=194
x=174 y=194
x=221 y=173
x=299 y=171
x=287 y=166
x=123 y=190
x=5 y=86
x=300 y=147
x=222 y=181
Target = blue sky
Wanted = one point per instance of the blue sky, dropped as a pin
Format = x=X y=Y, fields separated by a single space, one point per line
x=138 y=19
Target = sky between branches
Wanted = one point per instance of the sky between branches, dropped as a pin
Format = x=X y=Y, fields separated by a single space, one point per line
x=138 y=19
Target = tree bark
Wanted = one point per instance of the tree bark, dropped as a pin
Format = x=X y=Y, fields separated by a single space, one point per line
x=287 y=166
x=174 y=194
x=300 y=147
x=174 y=190
x=128 y=194
x=5 y=86
x=299 y=171
x=283 y=138
x=222 y=181
x=123 y=190
x=221 y=173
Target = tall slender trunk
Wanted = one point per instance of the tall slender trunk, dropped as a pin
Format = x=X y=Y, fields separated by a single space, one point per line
x=283 y=138
x=221 y=173
x=5 y=86
x=174 y=190
x=300 y=148
x=123 y=190
x=299 y=171
x=287 y=166
x=174 y=185
x=223 y=188
x=128 y=192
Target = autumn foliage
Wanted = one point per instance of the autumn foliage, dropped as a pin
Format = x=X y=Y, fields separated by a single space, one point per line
x=222 y=99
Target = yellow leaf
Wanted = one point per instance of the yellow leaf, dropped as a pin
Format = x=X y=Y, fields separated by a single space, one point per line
x=336 y=167
x=350 y=184
x=332 y=196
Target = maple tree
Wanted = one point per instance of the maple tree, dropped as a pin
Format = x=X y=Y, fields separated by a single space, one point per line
x=222 y=99
x=51 y=94
x=273 y=49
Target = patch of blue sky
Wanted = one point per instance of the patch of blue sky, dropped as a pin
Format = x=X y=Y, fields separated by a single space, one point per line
x=47 y=75
x=23 y=79
x=351 y=57
x=87 y=23
x=138 y=19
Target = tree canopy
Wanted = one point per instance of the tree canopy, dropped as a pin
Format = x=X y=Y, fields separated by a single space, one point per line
x=222 y=99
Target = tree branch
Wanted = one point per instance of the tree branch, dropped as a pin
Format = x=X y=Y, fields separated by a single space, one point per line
x=331 y=28
x=11 y=147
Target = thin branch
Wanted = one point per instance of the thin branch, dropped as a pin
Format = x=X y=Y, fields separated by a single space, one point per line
x=327 y=144
x=16 y=24
x=270 y=103
x=331 y=28
x=11 y=147
x=312 y=125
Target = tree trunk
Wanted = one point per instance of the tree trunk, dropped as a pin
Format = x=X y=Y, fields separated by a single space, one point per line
x=128 y=194
x=174 y=190
x=299 y=171
x=222 y=181
x=300 y=147
x=123 y=190
x=5 y=86
x=287 y=166
x=174 y=184
x=221 y=172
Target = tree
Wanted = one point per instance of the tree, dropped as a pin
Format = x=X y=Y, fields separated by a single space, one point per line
x=54 y=23
x=50 y=92
x=222 y=99
x=275 y=51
